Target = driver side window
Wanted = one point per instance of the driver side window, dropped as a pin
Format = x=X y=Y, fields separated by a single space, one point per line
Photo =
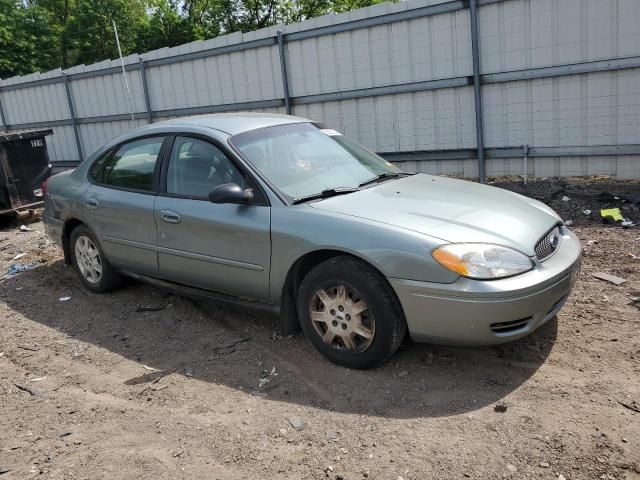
x=196 y=167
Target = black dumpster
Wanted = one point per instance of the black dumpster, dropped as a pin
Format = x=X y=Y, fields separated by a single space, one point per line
x=24 y=165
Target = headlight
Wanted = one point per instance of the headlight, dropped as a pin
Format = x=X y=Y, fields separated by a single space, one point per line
x=481 y=260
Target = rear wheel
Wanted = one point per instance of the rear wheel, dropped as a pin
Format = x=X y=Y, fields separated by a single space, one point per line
x=350 y=314
x=90 y=264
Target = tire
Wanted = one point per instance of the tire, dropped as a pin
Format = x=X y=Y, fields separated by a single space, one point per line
x=340 y=327
x=92 y=267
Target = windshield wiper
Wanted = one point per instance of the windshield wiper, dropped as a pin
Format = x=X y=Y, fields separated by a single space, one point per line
x=382 y=176
x=329 y=192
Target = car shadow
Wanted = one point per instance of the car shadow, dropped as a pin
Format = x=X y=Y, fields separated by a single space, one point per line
x=240 y=348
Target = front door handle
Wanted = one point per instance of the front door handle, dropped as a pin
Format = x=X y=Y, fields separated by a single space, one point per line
x=170 y=216
x=91 y=203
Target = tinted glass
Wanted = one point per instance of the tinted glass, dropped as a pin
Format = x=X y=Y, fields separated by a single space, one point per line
x=96 y=168
x=302 y=159
x=133 y=164
x=196 y=167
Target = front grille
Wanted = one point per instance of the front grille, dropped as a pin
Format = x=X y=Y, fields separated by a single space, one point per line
x=511 y=326
x=548 y=244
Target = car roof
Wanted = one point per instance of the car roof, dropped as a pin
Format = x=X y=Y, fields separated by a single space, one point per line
x=232 y=123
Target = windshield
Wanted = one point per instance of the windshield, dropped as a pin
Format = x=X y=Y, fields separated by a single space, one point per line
x=302 y=159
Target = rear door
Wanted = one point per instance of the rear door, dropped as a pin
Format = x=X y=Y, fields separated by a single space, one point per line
x=221 y=247
x=119 y=204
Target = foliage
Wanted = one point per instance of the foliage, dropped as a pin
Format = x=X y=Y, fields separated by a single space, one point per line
x=40 y=35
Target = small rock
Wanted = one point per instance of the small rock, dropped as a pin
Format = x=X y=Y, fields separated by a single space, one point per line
x=331 y=435
x=624 y=440
x=544 y=464
x=512 y=468
x=403 y=374
x=297 y=423
x=561 y=477
x=565 y=198
x=188 y=371
x=283 y=431
x=500 y=408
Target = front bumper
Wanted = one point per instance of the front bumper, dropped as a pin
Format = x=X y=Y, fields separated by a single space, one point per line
x=475 y=312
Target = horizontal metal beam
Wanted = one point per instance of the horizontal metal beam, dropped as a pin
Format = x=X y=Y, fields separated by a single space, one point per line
x=378 y=20
x=562 y=70
x=513 y=152
x=385 y=90
x=46 y=123
x=120 y=117
x=230 y=107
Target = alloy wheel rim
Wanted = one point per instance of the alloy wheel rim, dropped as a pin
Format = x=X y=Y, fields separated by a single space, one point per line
x=342 y=318
x=88 y=259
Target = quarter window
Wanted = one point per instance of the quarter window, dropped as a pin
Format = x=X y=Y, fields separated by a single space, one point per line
x=196 y=167
x=133 y=164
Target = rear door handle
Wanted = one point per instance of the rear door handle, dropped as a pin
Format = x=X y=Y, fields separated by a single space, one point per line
x=170 y=216
x=91 y=203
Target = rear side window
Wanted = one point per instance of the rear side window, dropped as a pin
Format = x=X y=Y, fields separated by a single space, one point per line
x=96 y=168
x=133 y=164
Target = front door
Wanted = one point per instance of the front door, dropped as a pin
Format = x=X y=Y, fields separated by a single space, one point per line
x=221 y=247
x=119 y=206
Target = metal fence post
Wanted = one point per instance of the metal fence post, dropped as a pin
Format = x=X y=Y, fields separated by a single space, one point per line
x=283 y=69
x=477 y=88
x=2 y=117
x=145 y=89
x=72 y=113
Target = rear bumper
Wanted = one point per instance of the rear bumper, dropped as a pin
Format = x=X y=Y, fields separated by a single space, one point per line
x=472 y=312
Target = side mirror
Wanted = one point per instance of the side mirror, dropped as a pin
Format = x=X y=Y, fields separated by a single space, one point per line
x=231 y=193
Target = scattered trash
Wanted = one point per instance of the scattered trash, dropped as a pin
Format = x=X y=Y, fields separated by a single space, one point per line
x=633 y=406
x=403 y=374
x=568 y=222
x=151 y=369
x=24 y=228
x=297 y=423
x=151 y=309
x=18 y=256
x=263 y=382
x=32 y=391
x=331 y=435
x=587 y=212
x=627 y=224
x=65 y=299
x=188 y=371
x=39 y=379
x=565 y=198
x=611 y=215
x=609 y=278
x=20 y=267
x=500 y=408
x=65 y=434
x=31 y=349
x=230 y=347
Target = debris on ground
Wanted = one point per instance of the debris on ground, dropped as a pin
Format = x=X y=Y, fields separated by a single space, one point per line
x=633 y=406
x=500 y=408
x=16 y=268
x=297 y=423
x=18 y=256
x=65 y=299
x=609 y=278
x=230 y=347
x=612 y=213
x=24 y=228
x=151 y=308
x=25 y=388
x=188 y=371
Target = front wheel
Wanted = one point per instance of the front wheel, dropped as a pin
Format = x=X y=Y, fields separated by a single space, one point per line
x=350 y=314
x=90 y=264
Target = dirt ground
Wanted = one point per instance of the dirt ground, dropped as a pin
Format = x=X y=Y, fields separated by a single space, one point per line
x=93 y=387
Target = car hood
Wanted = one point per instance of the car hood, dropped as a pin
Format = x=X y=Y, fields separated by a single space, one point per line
x=451 y=210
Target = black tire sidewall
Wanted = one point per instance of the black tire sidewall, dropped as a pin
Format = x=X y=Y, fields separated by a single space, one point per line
x=373 y=290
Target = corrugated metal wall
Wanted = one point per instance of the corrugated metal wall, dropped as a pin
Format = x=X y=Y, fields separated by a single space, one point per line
x=400 y=83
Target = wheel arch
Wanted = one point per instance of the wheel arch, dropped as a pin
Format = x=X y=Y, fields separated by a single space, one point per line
x=289 y=321
x=69 y=226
